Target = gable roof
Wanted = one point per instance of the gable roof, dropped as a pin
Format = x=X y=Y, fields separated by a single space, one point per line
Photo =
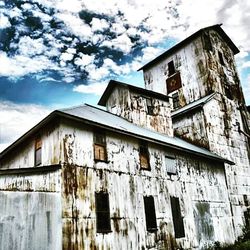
x=181 y=44
x=193 y=105
x=100 y=118
x=112 y=84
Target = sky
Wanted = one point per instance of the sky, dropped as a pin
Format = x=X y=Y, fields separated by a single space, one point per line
x=60 y=53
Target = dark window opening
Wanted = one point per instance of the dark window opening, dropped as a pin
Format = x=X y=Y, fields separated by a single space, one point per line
x=100 y=150
x=149 y=206
x=144 y=155
x=207 y=42
x=171 y=68
x=176 y=101
x=228 y=92
x=38 y=151
x=102 y=212
x=222 y=62
x=177 y=218
x=150 y=107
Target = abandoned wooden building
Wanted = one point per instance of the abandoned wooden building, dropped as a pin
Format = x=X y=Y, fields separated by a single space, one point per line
x=165 y=167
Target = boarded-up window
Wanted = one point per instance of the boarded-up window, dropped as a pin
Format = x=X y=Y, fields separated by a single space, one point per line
x=176 y=101
x=173 y=82
x=149 y=206
x=100 y=151
x=38 y=151
x=144 y=155
x=102 y=212
x=171 y=68
x=177 y=218
x=170 y=164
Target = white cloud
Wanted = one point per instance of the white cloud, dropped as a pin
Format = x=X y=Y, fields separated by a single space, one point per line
x=93 y=88
x=99 y=24
x=16 y=119
x=4 y=22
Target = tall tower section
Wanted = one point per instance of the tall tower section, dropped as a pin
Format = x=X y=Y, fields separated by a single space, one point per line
x=199 y=76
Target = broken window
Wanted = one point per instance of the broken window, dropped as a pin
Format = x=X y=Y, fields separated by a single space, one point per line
x=149 y=206
x=177 y=218
x=176 y=101
x=38 y=151
x=102 y=212
x=221 y=58
x=100 y=151
x=171 y=68
x=150 y=106
x=207 y=42
x=144 y=155
x=170 y=164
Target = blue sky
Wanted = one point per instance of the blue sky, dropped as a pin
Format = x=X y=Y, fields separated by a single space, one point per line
x=59 y=53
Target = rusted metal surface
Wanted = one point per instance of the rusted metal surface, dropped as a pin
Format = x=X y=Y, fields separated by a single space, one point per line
x=217 y=125
x=126 y=183
x=134 y=108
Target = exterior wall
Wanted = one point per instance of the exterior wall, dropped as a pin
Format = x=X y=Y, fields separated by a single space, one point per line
x=30 y=197
x=191 y=127
x=30 y=211
x=24 y=155
x=222 y=116
x=199 y=184
x=200 y=70
x=133 y=107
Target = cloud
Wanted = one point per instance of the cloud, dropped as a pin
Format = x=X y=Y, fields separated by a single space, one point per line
x=25 y=115
x=94 y=88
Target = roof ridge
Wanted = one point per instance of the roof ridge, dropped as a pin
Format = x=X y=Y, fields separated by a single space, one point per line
x=72 y=107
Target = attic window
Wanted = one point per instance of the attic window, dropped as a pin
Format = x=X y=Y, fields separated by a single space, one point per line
x=38 y=151
x=222 y=62
x=150 y=107
x=176 y=101
x=100 y=150
x=149 y=206
x=171 y=68
x=170 y=164
x=144 y=156
x=102 y=212
x=177 y=218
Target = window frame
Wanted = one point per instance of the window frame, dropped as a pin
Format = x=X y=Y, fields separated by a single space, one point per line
x=168 y=168
x=144 y=155
x=176 y=100
x=101 y=143
x=38 y=151
x=102 y=213
x=150 y=215
x=150 y=106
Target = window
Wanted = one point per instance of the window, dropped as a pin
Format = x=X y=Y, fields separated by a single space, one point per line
x=207 y=42
x=38 y=151
x=171 y=68
x=100 y=152
x=170 y=164
x=177 y=218
x=144 y=155
x=221 y=58
x=102 y=212
x=150 y=106
x=176 y=101
x=149 y=206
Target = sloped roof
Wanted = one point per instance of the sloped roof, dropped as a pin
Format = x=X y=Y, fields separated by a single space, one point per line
x=112 y=84
x=179 y=45
x=192 y=105
x=100 y=118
